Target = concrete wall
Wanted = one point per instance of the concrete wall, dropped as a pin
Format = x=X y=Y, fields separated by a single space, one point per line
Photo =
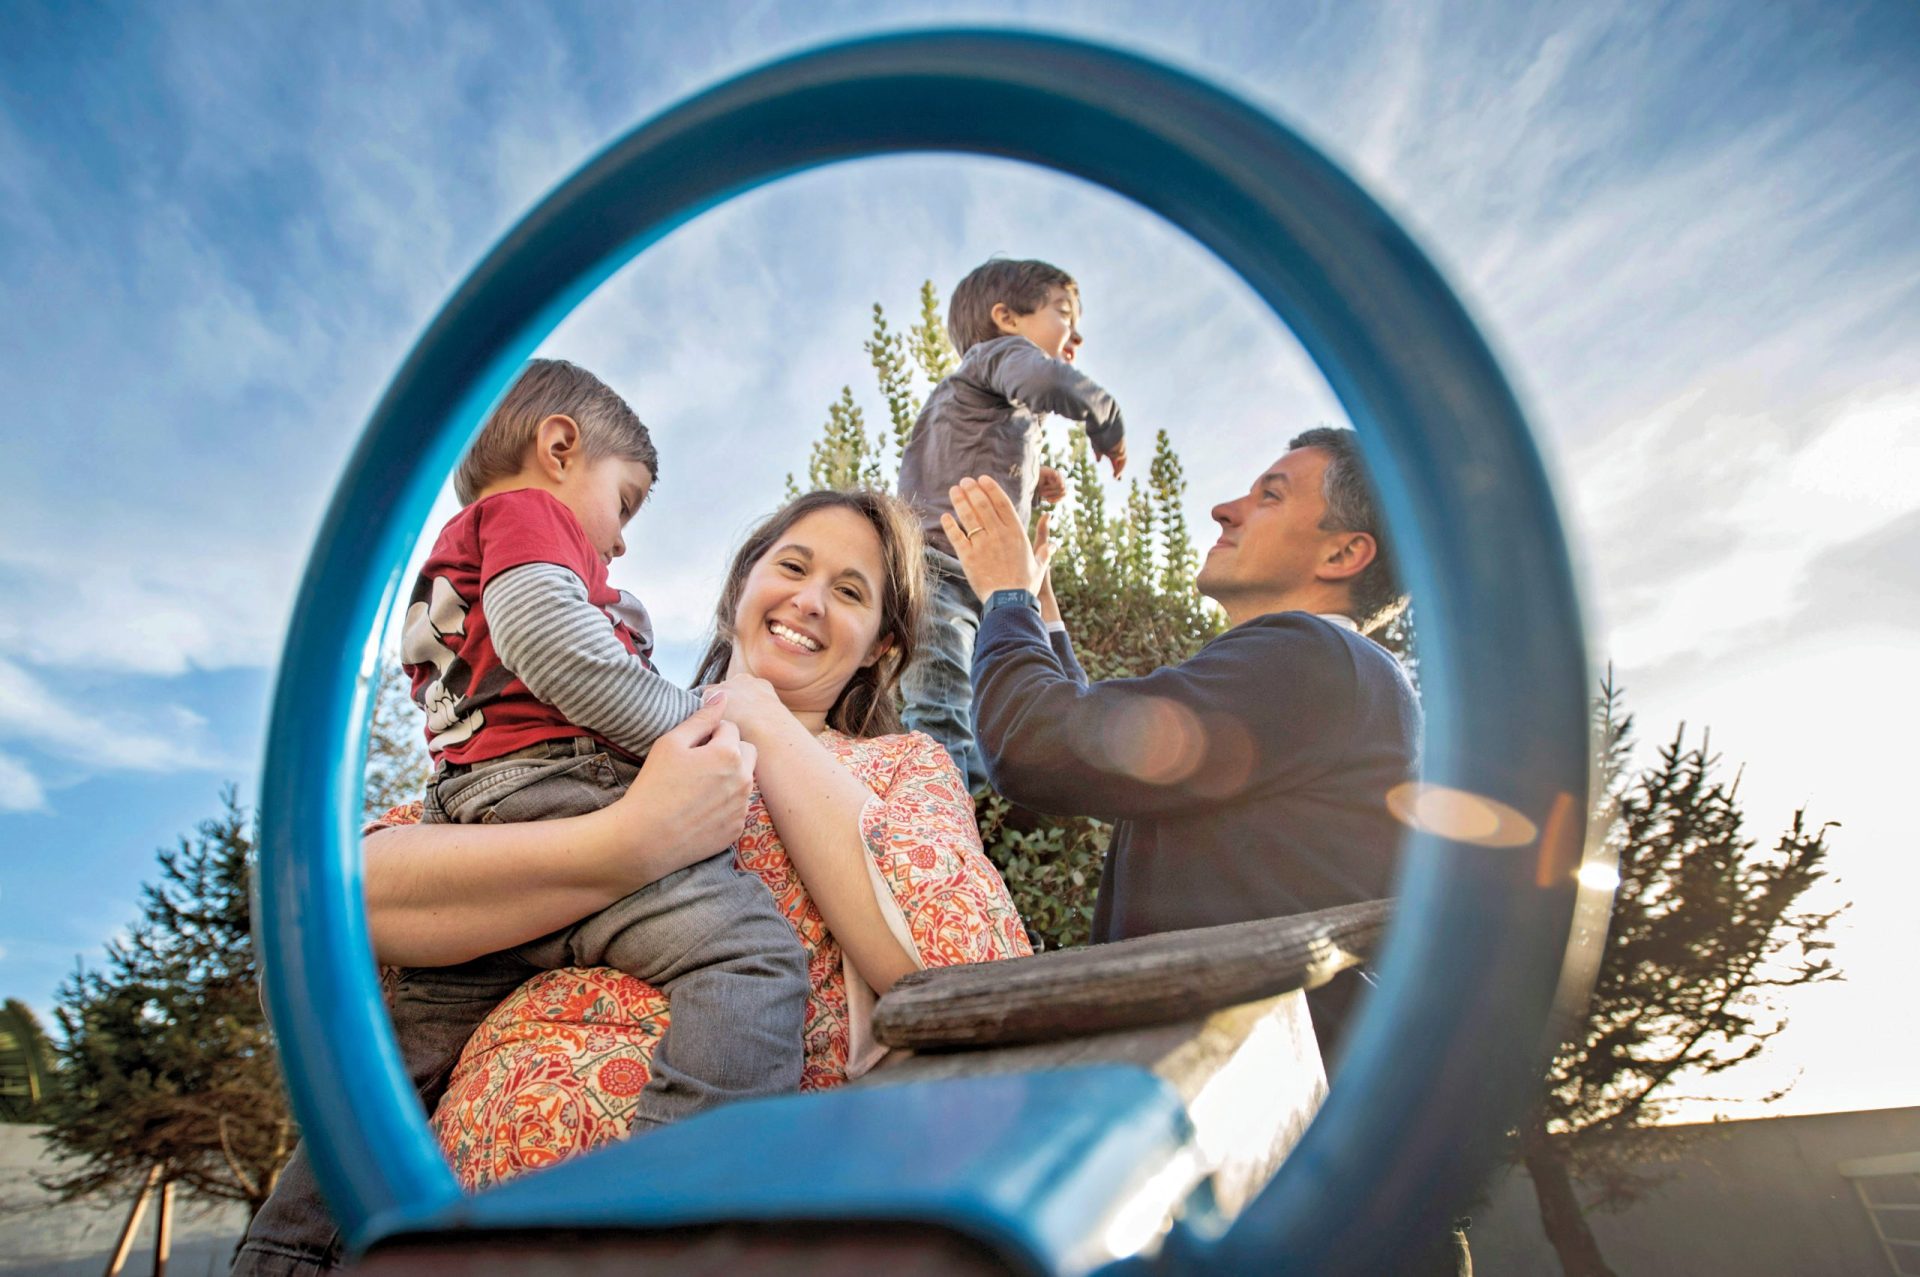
x=41 y=1235
x=1758 y=1198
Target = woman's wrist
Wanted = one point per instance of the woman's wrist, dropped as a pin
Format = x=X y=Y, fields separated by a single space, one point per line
x=614 y=849
x=773 y=729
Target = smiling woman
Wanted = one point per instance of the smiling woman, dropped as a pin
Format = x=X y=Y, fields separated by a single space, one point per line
x=865 y=836
x=823 y=601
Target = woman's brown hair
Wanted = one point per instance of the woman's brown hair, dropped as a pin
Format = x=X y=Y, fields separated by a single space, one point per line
x=869 y=704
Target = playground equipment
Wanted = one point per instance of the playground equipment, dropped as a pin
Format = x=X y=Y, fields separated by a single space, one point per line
x=1492 y=925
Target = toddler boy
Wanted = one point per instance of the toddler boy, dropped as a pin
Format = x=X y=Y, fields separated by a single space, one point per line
x=540 y=702
x=1015 y=326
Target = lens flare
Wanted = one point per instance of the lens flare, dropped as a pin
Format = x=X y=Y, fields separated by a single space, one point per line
x=1458 y=816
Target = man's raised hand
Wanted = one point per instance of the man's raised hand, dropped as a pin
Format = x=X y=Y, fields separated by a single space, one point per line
x=984 y=530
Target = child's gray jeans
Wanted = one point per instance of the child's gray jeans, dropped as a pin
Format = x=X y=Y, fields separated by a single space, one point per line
x=708 y=936
x=938 y=686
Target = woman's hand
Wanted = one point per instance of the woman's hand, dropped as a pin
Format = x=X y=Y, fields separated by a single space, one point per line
x=690 y=799
x=752 y=704
x=438 y=895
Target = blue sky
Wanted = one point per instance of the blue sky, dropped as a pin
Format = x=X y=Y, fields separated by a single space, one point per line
x=1688 y=228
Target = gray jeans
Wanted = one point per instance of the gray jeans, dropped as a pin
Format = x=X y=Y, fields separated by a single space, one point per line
x=938 y=686
x=708 y=936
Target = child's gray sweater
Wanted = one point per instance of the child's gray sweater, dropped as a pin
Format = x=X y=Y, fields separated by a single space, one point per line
x=982 y=420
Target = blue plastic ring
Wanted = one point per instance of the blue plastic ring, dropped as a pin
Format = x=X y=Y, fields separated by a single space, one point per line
x=1453 y=1040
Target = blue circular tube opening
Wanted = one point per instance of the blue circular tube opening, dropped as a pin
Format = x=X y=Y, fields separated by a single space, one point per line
x=1454 y=1037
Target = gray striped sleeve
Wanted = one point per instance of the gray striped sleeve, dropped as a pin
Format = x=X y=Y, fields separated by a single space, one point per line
x=564 y=649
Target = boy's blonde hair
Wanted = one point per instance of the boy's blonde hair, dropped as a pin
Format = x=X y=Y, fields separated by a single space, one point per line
x=547 y=388
x=1022 y=285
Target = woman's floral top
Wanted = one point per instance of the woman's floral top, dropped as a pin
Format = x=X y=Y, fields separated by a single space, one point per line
x=557 y=1067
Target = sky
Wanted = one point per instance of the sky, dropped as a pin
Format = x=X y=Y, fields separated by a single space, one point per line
x=1688 y=230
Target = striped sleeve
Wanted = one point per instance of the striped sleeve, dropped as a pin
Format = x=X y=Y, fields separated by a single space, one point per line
x=564 y=649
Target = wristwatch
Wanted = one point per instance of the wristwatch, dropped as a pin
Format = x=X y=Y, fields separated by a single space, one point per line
x=1009 y=598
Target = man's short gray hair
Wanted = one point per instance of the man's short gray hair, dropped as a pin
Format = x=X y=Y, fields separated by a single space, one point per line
x=1377 y=596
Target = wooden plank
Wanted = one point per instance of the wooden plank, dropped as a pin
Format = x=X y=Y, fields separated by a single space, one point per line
x=118 y=1259
x=163 y=1232
x=1127 y=984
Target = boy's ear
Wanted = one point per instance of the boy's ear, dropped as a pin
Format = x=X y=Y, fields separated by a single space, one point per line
x=557 y=445
x=1350 y=558
x=1003 y=316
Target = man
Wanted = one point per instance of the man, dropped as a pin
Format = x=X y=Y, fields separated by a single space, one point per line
x=1249 y=781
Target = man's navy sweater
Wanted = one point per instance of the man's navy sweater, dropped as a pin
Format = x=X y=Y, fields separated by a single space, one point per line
x=1248 y=782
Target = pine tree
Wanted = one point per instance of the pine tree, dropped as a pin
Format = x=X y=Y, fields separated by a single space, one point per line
x=887 y=351
x=167 y=1059
x=1706 y=927
x=844 y=457
x=927 y=339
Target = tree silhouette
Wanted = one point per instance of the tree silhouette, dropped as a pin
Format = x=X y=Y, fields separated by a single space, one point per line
x=1706 y=927
x=167 y=1059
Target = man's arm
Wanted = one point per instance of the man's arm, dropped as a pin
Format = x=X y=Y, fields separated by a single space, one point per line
x=564 y=649
x=1017 y=369
x=1056 y=624
x=1258 y=706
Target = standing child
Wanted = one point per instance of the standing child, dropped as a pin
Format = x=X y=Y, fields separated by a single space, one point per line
x=540 y=703
x=1015 y=326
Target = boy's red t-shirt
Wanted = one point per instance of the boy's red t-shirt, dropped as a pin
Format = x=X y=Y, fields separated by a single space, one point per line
x=476 y=707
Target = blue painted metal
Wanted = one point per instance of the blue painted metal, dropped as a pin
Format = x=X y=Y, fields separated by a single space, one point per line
x=966 y=1149
x=1450 y=1046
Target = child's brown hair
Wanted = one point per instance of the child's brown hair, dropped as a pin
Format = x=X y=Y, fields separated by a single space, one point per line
x=1022 y=285
x=548 y=388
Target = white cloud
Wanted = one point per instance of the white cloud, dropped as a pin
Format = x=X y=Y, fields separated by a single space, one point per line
x=1709 y=524
x=31 y=712
x=19 y=789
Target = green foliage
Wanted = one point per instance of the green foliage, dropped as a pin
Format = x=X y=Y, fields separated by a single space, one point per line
x=167 y=1058
x=1051 y=865
x=26 y=1063
x=397 y=763
x=1124 y=582
x=887 y=351
x=844 y=457
x=927 y=339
